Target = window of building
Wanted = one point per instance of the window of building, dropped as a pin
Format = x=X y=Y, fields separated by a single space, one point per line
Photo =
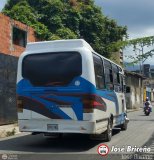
x=19 y=37
x=99 y=72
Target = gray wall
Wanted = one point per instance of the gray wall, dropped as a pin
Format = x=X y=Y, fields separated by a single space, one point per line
x=8 y=68
x=134 y=99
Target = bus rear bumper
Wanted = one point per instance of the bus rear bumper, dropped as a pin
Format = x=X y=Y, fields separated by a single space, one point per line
x=57 y=126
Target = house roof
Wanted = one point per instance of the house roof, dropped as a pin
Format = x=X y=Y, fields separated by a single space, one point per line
x=135 y=74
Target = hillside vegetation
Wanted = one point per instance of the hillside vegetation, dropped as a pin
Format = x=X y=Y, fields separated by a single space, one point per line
x=68 y=19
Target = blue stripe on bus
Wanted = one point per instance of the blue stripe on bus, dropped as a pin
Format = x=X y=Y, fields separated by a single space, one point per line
x=52 y=107
x=48 y=105
x=25 y=88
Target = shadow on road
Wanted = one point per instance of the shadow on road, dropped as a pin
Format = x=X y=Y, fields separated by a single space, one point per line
x=116 y=131
x=38 y=143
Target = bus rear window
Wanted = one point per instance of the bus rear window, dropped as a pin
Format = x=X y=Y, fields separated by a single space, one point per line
x=52 y=69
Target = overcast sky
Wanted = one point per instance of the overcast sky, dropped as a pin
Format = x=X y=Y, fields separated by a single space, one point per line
x=2 y=3
x=137 y=15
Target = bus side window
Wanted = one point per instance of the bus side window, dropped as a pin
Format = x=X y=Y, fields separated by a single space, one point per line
x=108 y=75
x=99 y=72
x=116 y=78
x=122 y=83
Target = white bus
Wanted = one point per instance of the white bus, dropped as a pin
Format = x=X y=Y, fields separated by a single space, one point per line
x=64 y=86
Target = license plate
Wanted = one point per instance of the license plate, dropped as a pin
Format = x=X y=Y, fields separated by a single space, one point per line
x=52 y=127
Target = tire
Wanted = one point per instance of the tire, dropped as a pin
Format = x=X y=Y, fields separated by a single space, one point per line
x=147 y=113
x=108 y=132
x=124 y=126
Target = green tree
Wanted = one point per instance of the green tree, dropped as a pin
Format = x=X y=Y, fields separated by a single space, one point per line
x=68 y=19
x=26 y=14
x=140 y=46
x=66 y=33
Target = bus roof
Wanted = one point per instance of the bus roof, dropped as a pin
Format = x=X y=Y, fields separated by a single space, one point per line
x=108 y=60
x=47 y=45
x=61 y=44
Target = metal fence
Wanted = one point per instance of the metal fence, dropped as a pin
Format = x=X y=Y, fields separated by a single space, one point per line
x=8 y=68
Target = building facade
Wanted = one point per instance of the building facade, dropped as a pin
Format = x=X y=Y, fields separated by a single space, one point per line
x=14 y=36
x=147 y=71
x=149 y=88
x=134 y=90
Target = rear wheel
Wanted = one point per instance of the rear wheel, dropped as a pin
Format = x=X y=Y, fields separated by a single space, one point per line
x=105 y=136
x=108 y=132
x=124 y=126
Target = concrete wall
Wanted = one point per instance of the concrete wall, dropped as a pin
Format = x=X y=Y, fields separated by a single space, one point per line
x=8 y=67
x=134 y=99
x=9 y=54
x=149 y=88
x=152 y=95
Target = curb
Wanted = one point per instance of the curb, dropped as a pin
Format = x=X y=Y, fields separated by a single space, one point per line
x=133 y=110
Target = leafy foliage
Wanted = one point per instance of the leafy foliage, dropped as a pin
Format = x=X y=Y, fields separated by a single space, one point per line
x=139 y=45
x=68 y=19
x=26 y=14
x=66 y=33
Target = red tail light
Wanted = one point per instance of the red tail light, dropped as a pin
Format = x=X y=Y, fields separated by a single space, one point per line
x=19 y=105
x=91 y=102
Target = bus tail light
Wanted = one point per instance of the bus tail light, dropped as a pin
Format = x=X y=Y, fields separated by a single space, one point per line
x=90 y=102
x=20 y=105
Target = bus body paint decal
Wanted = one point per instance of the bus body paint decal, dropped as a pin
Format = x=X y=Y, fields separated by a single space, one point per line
x=111 y=96
x=51 y=98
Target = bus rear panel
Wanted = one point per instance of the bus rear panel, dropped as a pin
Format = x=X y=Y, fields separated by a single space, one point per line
x=53 y=96
x=63 y=90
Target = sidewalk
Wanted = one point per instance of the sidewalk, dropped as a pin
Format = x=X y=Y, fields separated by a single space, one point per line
x=133 y=110
x=9 y=130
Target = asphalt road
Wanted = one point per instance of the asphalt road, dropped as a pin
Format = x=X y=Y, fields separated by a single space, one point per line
x=140 y=133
